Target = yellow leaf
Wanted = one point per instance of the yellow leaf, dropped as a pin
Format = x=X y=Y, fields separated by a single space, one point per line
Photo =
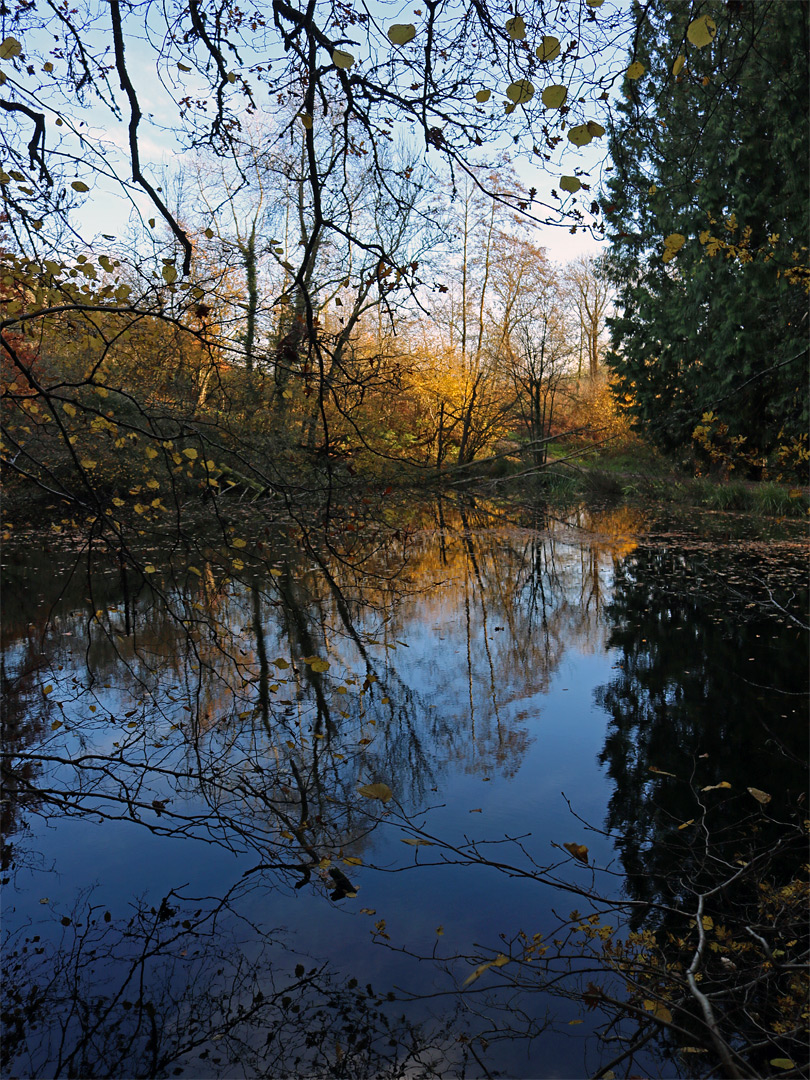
x=352 y=860
x=151 y=452
x=319 y=665
x=548 y=49
x=596 y=130
x=69 y=409
x=9 y=48
x=661 y=1012
x=79 y=185
x=439 y=931
x=169 y=273
x=118 y=502
x=761 y=796
x=716 y=787
x=520 y=91
x=570 y=183
x=782 y=1063
x=47 y=689
x=516 y=28
x=342 y=59
x=677 y=67
x=675 y=241
x=594 y=3
x=153 y=484
x=401 y=33
x=194 y=570
x=579 y=851
x=572 y=1022
x=238 y=543
x=580 y=135
x=686 y=824
x=88 y=463
x=190 y=453
x=479 y=971
x=416 y=842
x=554 y=96
x=708 y=922
x=287 y=835
x=636 y=70
x=701 y=31
x=149 y=569
x=56 y=724
x=238 y=564
x=376 y=791
x=280 y=662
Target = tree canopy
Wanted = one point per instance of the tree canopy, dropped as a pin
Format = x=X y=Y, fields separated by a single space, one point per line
x=707 y=206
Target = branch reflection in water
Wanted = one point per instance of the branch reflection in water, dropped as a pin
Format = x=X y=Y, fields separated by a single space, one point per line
x=256 y=736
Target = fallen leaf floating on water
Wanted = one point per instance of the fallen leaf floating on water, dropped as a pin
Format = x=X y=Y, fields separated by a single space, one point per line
x=716 y=787
x=579 y=851
x=761 y=796
x=498 y=962
x=661 y=772
x=377 y=791
x=415 y=842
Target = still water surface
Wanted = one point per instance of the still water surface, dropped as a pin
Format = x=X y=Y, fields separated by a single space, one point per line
x=195 y=883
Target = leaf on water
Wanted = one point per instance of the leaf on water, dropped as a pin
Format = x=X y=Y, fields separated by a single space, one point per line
x=149 y=569
x=56 y=724
x=686 y=824
x=548 y=49
x=660 y=772
x=520 y=91
x=782 y=1063
x=554 y=96
x=580 y=135
x=708 y=922
x=342 y=59
x=190 y=453
x=677 y=67
x=483 y=95
x=570 y=183
x=516 y=28
x=401 y=33
x=319 y=665
x=287 y=835
x=414 y=841
x=376 y=791
x=761 y=796
x=169 y=274
x=596 y=130
x=280 y=662
x=237 y=543
x=636 y=70
x=572 y=1022
x=69 y=409
x=9 y=48
x=701 y=31
x=238 y=564
x=579 y=851
x=88 y=463
x=352 y=860
x=716 y=787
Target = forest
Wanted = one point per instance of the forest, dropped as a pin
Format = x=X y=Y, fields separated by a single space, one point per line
x=456 y=356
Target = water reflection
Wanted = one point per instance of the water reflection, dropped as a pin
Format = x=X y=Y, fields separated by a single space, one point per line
x=218 y=715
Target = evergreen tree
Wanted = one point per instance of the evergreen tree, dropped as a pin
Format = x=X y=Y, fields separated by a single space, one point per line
x=707 y=206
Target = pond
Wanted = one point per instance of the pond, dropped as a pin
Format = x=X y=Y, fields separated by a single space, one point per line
x=322 y=801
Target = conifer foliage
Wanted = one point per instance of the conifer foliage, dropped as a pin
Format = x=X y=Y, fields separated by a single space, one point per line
x=707 y=207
